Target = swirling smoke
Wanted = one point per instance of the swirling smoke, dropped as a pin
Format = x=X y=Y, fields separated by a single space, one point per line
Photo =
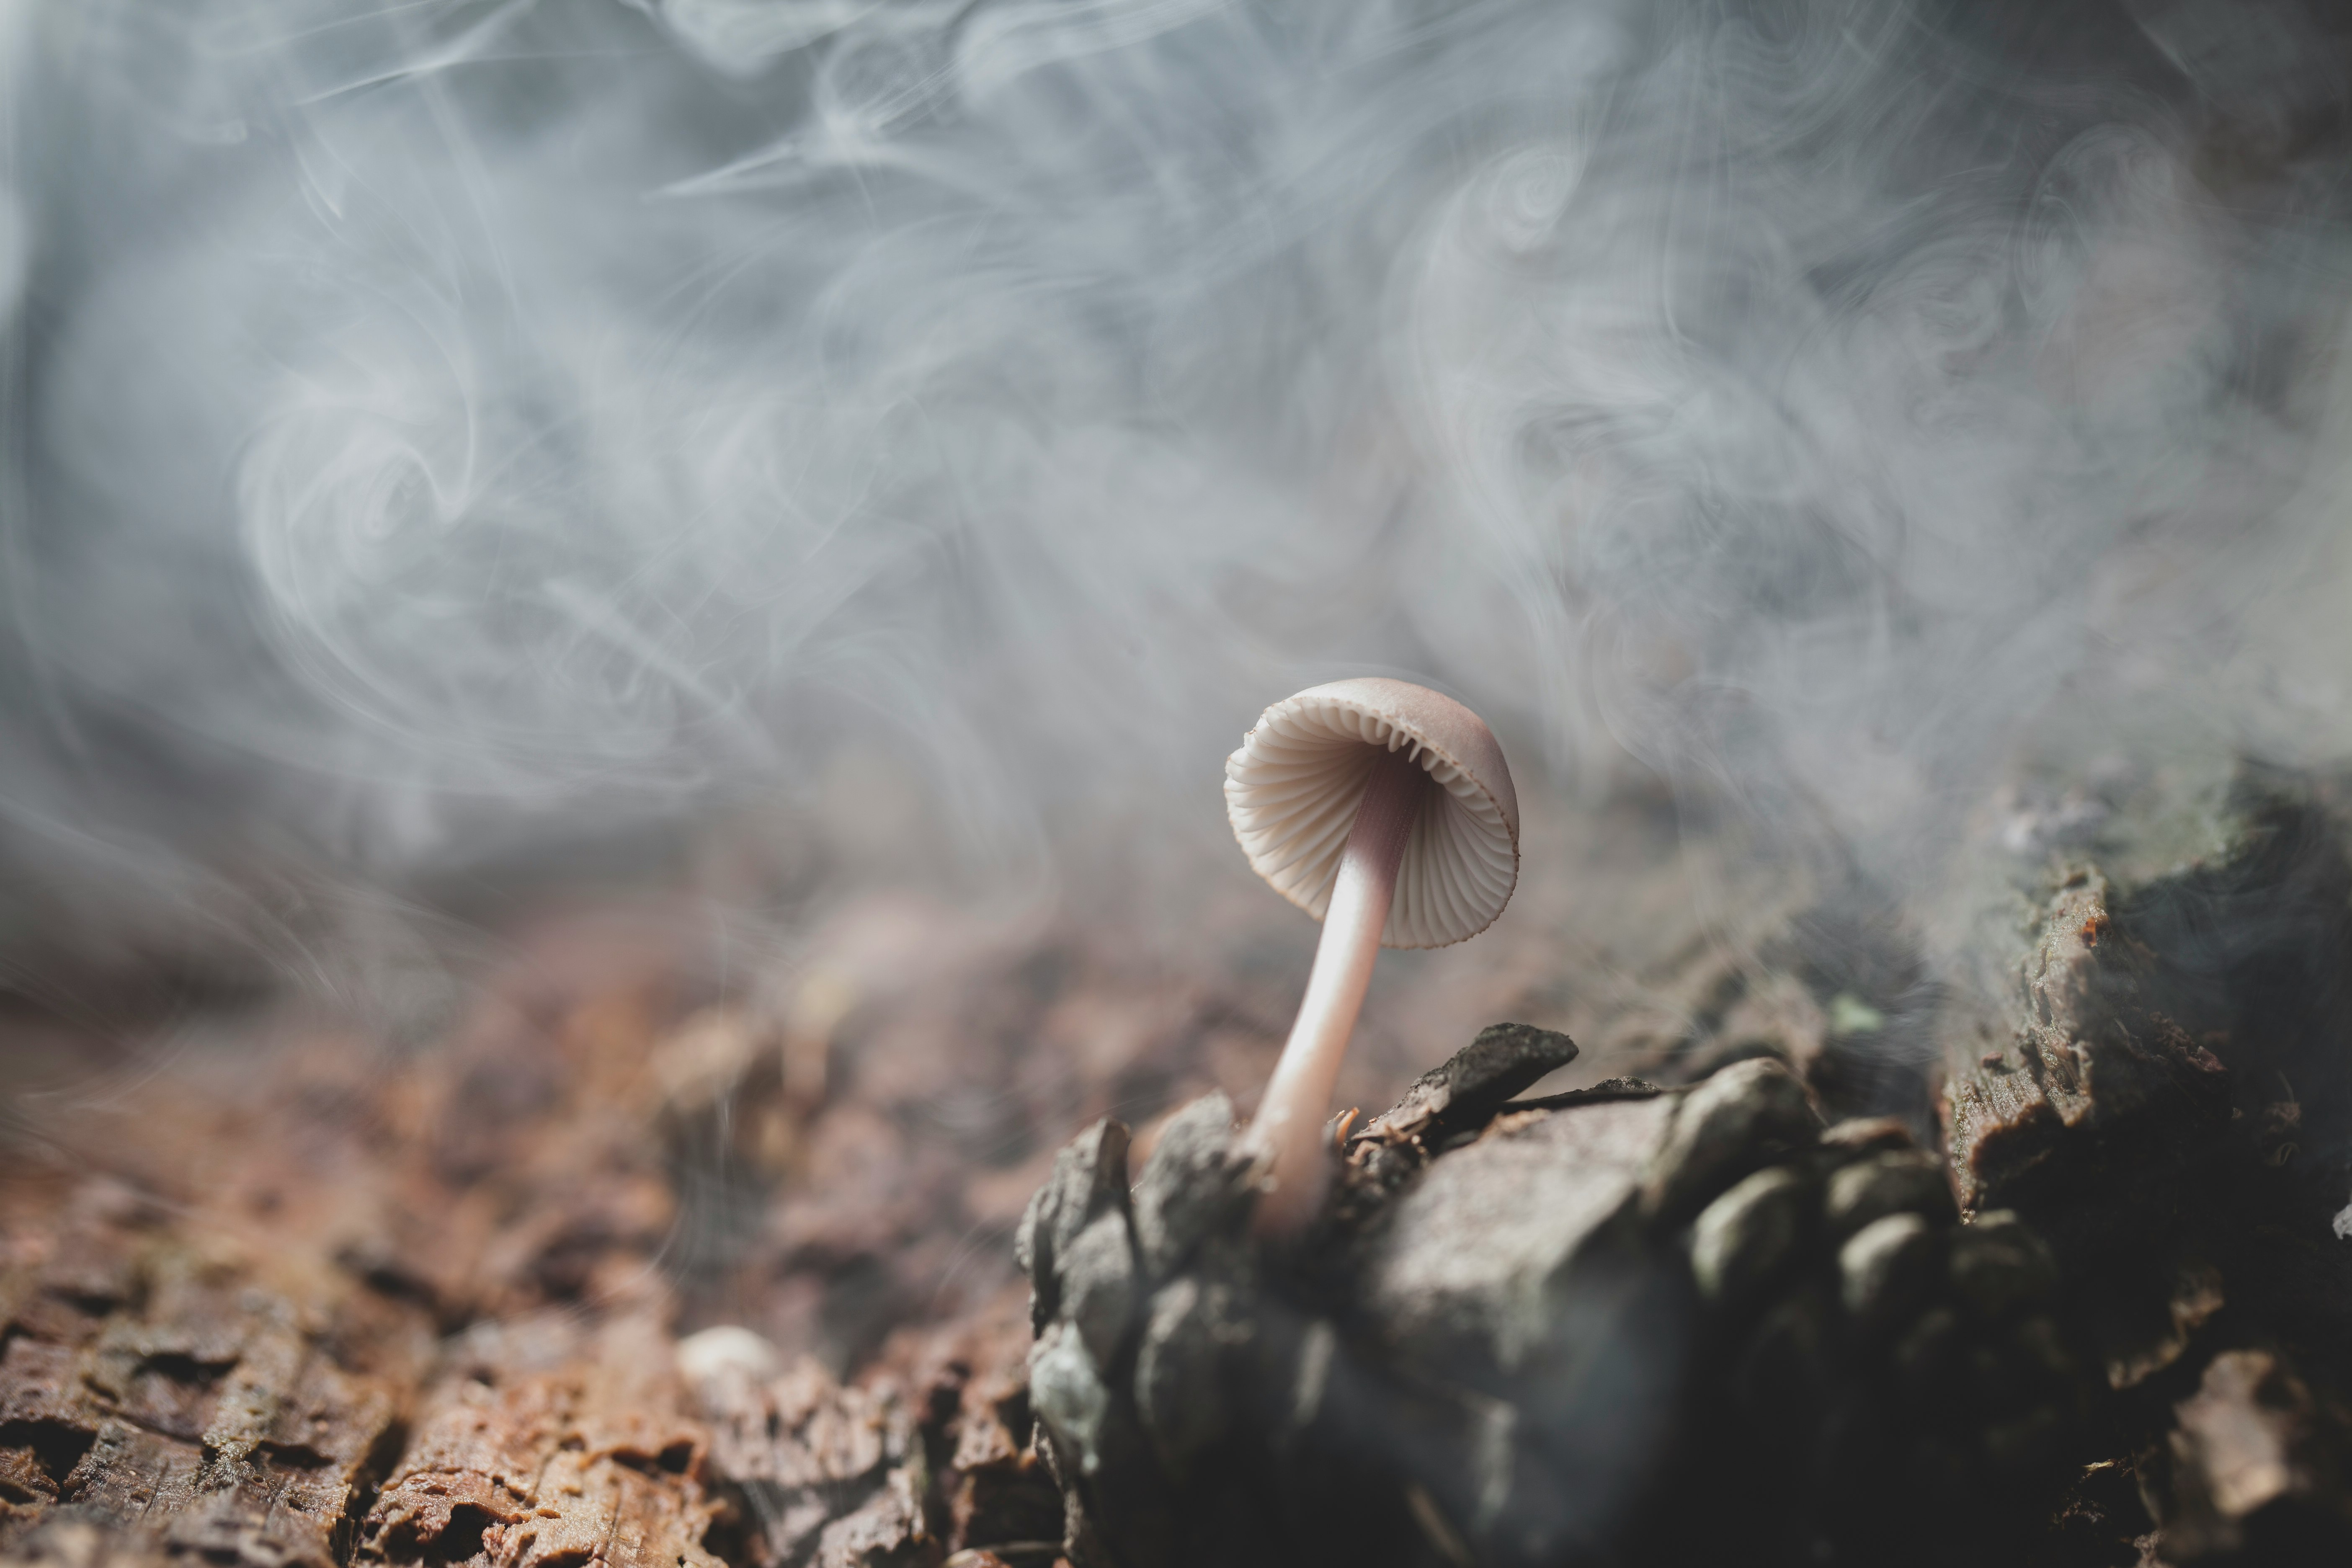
x=463 y=433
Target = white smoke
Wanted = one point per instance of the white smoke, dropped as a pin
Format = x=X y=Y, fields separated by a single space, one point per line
x=440 y=427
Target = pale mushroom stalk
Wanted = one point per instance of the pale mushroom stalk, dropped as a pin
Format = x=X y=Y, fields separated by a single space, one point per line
x=1385 y=810
x=1288 y=1130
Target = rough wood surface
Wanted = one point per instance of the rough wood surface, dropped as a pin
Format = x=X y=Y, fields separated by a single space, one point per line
x=294 y=1298
x=2162 y=1080
x=199 y=1400
x=293 y=1303
x=1537 y=1334
x=1536 y=1340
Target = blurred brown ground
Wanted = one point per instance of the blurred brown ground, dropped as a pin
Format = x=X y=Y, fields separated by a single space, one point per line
x=273 y=1292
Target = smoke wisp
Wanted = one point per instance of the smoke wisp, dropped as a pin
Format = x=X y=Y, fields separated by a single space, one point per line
x=441 y=431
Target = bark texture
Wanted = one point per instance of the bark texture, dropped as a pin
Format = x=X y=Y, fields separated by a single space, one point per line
x=623 y=1270
x=2105 y=1323
x=1526 y=1342
x=2159 y=1078
x=296 y=1304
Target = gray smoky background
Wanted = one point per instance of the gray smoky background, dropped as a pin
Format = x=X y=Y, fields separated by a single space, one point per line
x=460 y=450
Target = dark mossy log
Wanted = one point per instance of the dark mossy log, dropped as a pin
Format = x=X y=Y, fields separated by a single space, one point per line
x=1626 y=1324
x=2159 y=1074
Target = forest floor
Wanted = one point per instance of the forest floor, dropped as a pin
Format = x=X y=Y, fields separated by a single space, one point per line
x=273 y=1289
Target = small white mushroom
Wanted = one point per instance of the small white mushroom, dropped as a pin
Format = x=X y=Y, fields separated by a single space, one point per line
x=1384 y=810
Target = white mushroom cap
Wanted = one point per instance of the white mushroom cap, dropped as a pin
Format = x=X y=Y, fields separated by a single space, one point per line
x=1292 y=788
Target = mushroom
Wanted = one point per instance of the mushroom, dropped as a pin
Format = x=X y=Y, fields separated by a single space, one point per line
x=1384 y=810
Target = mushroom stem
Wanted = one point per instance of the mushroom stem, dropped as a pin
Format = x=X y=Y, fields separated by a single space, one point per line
x=1287 y=1136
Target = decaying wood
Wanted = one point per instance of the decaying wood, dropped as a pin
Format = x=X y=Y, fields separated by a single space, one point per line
x=2164 y=1087
x=163 y=1396
x=1527 y=1340
x=305 y=1304
x=1529 y=1332
x=302 y=1307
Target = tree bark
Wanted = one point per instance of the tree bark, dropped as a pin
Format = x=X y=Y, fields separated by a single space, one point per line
x=303 y=1309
